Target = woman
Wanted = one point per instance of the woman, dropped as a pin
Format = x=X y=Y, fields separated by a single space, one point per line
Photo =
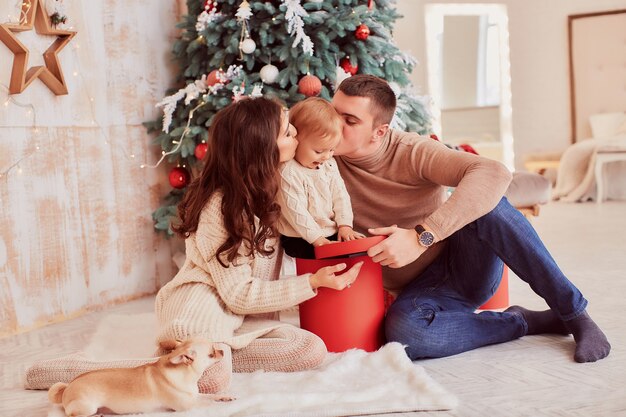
x=228 y=217
x=228 y=284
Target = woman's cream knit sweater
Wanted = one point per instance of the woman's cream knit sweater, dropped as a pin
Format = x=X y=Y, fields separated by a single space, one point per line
x=207 y=300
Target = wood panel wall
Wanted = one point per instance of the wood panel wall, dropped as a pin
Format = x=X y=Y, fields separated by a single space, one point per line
x=75 y=225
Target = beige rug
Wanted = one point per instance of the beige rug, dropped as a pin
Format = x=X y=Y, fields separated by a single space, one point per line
x=347 y=384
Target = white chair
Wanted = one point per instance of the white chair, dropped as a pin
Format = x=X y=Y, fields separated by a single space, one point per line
x=603 y=156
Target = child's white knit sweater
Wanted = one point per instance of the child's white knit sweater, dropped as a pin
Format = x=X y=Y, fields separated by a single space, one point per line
x=314 y=202
x=207 y=300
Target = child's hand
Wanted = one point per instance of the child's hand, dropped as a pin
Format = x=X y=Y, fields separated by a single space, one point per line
x=346 y=233
x=321 y=241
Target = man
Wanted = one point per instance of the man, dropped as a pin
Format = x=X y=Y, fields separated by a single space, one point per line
x=444 y=256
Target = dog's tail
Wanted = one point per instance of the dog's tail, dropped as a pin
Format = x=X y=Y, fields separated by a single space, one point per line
x=55 y=393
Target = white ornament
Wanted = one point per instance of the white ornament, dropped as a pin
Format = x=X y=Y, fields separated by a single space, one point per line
x=257 y=91
x=243 y=12
x=269 y=73
x=247 y=46
x=340 y=75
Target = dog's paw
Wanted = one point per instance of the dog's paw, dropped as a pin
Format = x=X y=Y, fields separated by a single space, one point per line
x=224 y=398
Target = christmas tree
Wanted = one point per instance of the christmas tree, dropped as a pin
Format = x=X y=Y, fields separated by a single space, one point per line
x=289 y=49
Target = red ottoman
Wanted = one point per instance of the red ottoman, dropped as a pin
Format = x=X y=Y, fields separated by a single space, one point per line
x=500 y=299
x=352 y=318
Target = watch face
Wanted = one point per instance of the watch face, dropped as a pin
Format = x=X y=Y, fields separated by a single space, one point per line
x=427 y=238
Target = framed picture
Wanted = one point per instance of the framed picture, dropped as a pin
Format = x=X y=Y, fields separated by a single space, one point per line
x=597 y=61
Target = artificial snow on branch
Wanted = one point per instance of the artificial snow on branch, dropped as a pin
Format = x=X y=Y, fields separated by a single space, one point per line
x=294 y=14
x=192 y=91
x=205 y=19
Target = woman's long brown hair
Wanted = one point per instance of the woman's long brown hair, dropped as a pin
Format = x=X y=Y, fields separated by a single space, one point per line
x=242 y=163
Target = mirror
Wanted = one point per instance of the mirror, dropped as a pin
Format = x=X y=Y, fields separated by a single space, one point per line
x=469 y=76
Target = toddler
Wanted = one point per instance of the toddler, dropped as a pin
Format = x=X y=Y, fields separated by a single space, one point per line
x=315 y=205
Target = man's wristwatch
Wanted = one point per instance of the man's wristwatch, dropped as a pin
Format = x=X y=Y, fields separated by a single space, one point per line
x=425 y=238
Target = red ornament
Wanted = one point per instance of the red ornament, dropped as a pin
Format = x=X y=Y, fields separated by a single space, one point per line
x=310 y=85
x=179 y=177
x=362 y=32
x=210 y=5
x=215 y=77
x=347 y=66
x=433 y=136
x=200 y=150
x=468 y=148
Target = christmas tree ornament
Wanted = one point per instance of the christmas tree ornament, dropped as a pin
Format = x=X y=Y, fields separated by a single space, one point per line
x=348 y=67
x=215 y=77
x=200 y=151
x=268 y=73
x=243 y=11
x=362 y=32
x=210 y=6
x=207 y=16
x=247 y=46
x=310 y=85
x=179 y=177
x=257 y=91
x=239 y=92
x=340 y=75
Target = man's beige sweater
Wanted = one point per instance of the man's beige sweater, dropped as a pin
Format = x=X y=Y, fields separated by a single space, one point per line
x=405 y=182
x=207 y=300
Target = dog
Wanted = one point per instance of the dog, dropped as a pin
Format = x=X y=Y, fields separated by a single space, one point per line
x=170 y=383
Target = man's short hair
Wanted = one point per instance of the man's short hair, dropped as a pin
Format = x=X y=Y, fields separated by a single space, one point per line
x=381 y=96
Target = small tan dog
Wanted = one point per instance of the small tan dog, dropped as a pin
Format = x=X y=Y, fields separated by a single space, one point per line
x=170 y=383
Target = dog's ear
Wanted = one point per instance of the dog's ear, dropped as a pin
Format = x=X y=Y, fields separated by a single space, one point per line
x=217 y=353
x=187 y=356
x=169 y=345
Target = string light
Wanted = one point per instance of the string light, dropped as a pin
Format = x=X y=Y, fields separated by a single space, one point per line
x=31 y=111
x=185 y=131
x=78 y=73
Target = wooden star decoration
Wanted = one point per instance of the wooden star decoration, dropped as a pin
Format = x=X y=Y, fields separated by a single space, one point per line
x=50 y=74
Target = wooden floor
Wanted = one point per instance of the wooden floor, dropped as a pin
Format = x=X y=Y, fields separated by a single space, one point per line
x=532 y=376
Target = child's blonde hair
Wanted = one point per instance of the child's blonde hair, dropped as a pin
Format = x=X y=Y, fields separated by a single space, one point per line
x=316 y=118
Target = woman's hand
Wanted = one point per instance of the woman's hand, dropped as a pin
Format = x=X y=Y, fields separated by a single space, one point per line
x=346 y=233
x=325 y=277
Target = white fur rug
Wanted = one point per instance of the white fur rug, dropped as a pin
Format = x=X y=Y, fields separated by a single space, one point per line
x=350 y=383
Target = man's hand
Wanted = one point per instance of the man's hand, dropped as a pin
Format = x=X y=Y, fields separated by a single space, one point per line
x=399 y=249
x=346 y=233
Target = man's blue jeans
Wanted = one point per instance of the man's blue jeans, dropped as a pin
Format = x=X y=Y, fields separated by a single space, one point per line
x=434 y=314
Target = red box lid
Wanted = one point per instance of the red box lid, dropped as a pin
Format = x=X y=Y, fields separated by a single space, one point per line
x=332 y=250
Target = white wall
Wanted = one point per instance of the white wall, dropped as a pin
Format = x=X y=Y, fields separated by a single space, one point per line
x=76 y=230
x=539 y=64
